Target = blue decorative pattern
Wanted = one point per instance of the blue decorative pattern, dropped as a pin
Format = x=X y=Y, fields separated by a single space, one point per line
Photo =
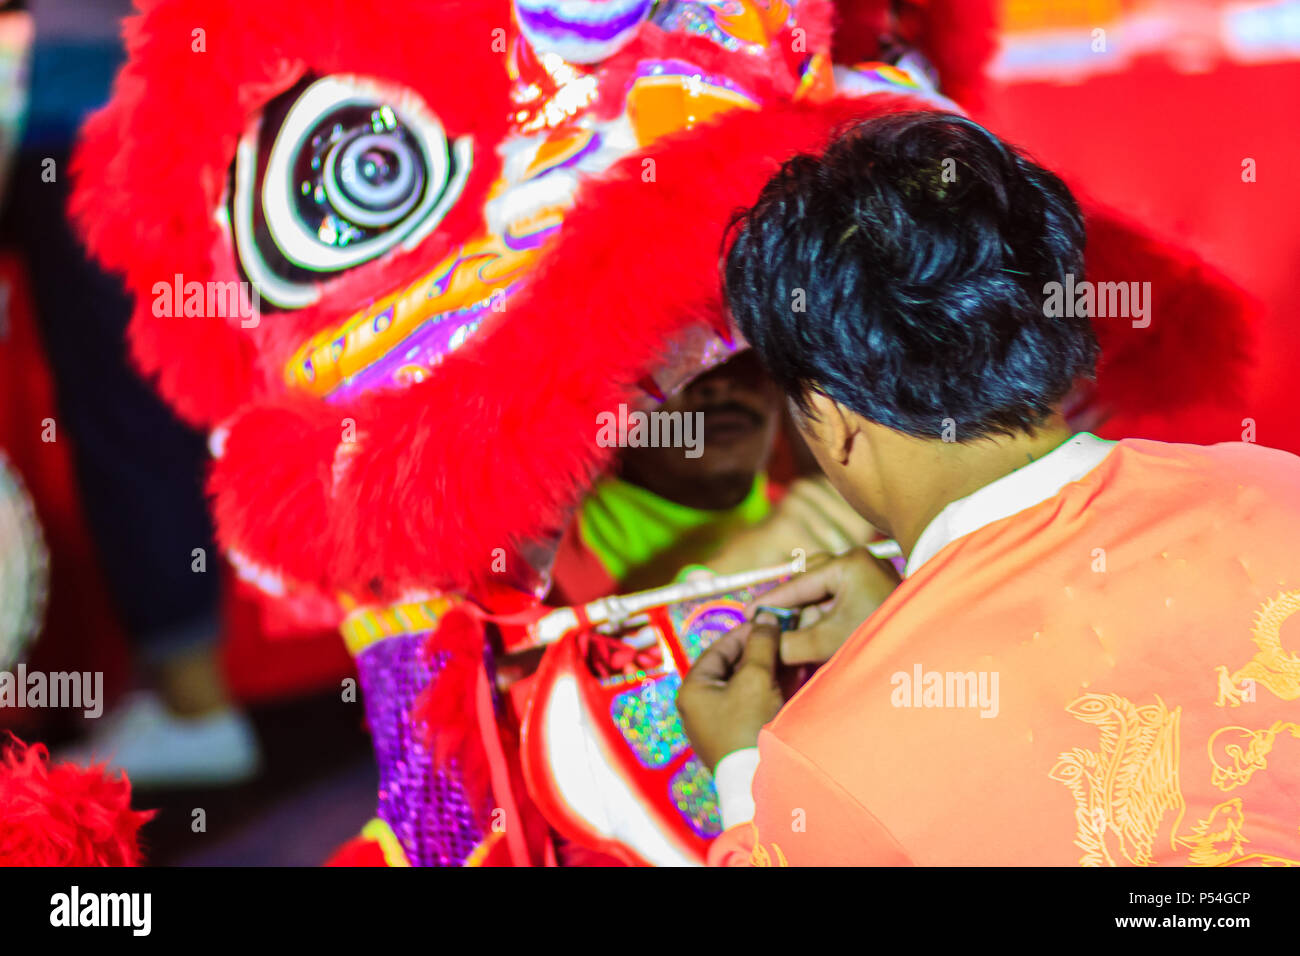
x=647 y=718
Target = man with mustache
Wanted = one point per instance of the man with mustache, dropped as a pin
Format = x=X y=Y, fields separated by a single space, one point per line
x=665 y=510
x=1090 y=658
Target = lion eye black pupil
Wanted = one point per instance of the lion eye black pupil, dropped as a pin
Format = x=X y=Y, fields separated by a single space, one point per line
x=337 y=173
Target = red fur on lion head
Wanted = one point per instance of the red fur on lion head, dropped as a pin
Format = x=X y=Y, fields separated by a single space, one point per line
x=490 y=448
x=152 y=165
x=64 y=815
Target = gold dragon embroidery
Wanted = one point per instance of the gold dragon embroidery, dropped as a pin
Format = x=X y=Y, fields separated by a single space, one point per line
x=1123 y=791
x=1223 y=826
x=1273 y=666
x=1127 y=788
x=1245 y=754
x=760 y=856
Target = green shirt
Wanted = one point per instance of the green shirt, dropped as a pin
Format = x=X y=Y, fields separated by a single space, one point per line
x=628 y=527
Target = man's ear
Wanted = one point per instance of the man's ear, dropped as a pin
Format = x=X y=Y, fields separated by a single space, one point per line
x=837 y=427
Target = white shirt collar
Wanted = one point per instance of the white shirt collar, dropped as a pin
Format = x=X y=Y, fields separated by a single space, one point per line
x=1023 y=488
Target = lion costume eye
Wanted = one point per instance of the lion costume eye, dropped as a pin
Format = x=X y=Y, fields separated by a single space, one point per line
x=337 y=172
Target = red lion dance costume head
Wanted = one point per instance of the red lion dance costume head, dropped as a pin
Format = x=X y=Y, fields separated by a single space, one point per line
x=471 y=228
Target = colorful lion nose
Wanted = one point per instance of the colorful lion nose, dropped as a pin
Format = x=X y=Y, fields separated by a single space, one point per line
x=398 y=340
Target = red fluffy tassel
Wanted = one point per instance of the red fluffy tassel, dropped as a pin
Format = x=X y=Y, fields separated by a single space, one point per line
x=64 y=815
x=446 y=710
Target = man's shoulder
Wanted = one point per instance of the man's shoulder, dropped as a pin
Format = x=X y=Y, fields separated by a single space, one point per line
x=1226 y=454
x=1227 y=463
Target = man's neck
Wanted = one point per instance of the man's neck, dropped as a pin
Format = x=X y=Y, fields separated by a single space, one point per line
x=948 y=472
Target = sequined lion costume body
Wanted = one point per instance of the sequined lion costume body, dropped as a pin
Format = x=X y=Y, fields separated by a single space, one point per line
x=398 y=260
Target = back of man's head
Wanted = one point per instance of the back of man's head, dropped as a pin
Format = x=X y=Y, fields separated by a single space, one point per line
x=902 y=274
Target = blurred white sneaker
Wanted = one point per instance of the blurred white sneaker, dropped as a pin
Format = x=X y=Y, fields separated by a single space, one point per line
x=157 y=748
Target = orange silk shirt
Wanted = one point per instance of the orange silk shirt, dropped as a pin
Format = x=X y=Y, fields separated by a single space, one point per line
x=1110 y=676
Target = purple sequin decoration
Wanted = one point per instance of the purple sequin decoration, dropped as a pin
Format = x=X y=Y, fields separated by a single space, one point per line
x=428 y=810
x=710 y=625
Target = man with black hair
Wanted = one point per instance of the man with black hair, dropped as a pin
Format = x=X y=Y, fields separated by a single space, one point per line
x=1091 y=655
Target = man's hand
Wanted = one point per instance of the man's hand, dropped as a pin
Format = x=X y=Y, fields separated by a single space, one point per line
x=837 y=594
x=811 y=517
x=731 y=692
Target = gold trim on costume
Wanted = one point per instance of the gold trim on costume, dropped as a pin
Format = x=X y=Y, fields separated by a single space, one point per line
x=369 y=625
x=389 y=845
x=480 y=852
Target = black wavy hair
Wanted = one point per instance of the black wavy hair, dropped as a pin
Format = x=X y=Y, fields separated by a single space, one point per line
x=902 y=274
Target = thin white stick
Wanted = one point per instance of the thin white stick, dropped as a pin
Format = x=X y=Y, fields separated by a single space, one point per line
x=618 y=608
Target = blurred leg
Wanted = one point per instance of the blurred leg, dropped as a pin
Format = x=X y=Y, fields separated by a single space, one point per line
x=140 y=477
